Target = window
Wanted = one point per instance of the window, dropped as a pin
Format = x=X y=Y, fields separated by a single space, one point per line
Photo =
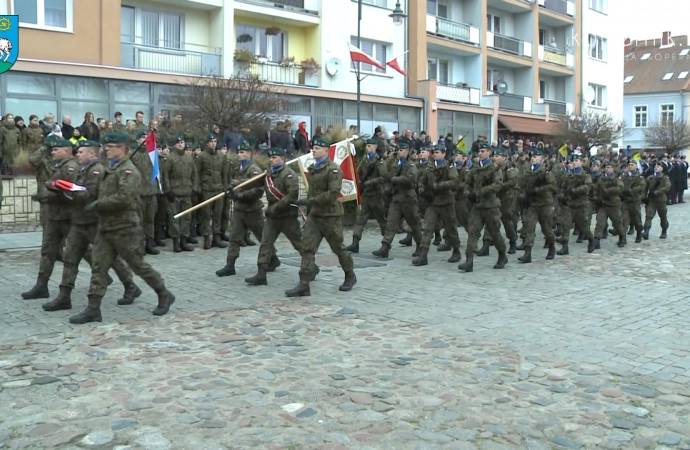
x=684 y=51
x=542 y=37
x=256 y=41
x=492 y=79
x=376 y=51
x=51 y=14
x=439 y=70
x=151 y=28
x=597 y=47
x=599 y=96
x=640 y=116
x=666 y=113
x=683 y=75
x=493 y=23
x=542 y=89
x=598 y=5
x=628 y=79
x=438 y=8
x=668 y=76
x=381 y=3
x=646 y=56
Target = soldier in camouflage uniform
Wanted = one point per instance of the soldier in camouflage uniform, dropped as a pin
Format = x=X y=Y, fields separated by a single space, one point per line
x=212 y=173
x=437 y=184
x=118 y=221
x=324 y=220
x=58 y=213
x=148 y=192
x=82 y=233
x=658 y=187
x=179 y=181
x=231 y=163
x=41 y=159
x=162 y=220
x=607 y=193
x=482 y=185
x=576 y=186
x=372 y=172
x=634 y=187
x=537 y=199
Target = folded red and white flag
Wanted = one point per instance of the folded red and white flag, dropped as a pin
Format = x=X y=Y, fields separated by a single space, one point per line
x=69 y=186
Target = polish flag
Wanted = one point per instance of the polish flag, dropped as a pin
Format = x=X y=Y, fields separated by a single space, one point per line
x=393 y=64
x=69 y=186
x=358 y=56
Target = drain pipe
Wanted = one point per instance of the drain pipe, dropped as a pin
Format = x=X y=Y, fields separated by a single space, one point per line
x=407 y=65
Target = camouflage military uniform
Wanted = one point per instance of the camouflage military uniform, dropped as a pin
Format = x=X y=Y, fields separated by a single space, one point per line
x=576 y=187
x=537 y=198
x=42 y=161
x=634 y=187
x=148 y=193
x=506 y=195
x=658 y=187
x=607 y=192
x=212 y=175
x=179 y=182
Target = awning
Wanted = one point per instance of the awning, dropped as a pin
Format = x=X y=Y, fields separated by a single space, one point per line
x=529 y=126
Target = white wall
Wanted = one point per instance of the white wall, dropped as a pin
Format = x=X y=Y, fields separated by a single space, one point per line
x=507 y=21
x=338 y=24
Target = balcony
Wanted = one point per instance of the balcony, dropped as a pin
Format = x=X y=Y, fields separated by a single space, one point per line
x=565 y=7
x=457 y=93
x=511 y=6
x=508 y=45
x=512 y=102
x=290 y=12
x=455 y=31
x=556 y=56
x=557 y=108
x=269 y=72
x=175 y=57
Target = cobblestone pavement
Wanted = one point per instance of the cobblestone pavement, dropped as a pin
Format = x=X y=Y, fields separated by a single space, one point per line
x=587 y=351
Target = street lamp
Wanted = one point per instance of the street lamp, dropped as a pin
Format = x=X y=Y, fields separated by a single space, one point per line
x=398 y=17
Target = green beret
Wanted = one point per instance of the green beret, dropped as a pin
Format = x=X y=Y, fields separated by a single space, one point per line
x=276 y=151
x=500 y=152
x=482 y=145
x=321 y=142
x=50 y=139
x=178 y=138
x=594 y=162
x=210 y=137
x=60 y=143
x=163 y=145
x=426 y=148
x=81 y=144
x=187 y=145
x=116 y=138
x=244 y=145
x=536 y=152
x=440 y=148
x=141 y=134
x=403 y=146
x=371 y=141
x=609 y=164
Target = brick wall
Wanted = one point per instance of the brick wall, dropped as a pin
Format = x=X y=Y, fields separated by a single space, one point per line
x=17 y=207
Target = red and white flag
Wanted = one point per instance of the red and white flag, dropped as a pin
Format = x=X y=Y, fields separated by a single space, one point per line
x=69 y=186
x=393 y=64
x=358 y=56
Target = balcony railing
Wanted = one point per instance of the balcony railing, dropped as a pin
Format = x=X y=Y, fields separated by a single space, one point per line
x=511 y=102
x=456 y=93
x=557 y=108
x=555 y=56
x=277 y=73
x=303 y=6
x=508 y=44
x=452 y=30
x=565 y=7
x=171 y=58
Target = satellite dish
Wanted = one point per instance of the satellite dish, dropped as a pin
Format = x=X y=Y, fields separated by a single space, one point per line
x=589 y=94
x=501 y=87
x=333 y=66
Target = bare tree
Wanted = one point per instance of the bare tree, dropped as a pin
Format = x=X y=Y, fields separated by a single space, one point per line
x=241 y=103
x=671 y=136
x=591 y=128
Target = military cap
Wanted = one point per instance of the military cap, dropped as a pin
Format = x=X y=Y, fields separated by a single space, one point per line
x=244 y=145
x=536 y=152
x=500 y=152
x=321 y=142
x=403 y=146
x=439 y=148
x=210 y=137
x=595 y=162
x=276 y=151
x=371 y=141
x=164 y=145
x=59 y=142
x=482 y=145
x=576 y=157
x=141 y=134
x=178 y=138
x=426 y=148
x=187 y=145
x=609 y=164
x=81 y=144
x=659 y=163
x=116 y=138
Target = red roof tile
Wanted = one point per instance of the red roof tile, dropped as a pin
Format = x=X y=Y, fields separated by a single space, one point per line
x=648 y=73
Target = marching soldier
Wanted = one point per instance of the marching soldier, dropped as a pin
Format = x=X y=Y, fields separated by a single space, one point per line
x=634 y=187
x=324 y=220
x=576 y=185
x=179 y=182
x=212 y=172
x=162 y=220
x=148 y=193
x=371 y=172
x=607 y=192
x=658 y=186
x=118 y=220
x=82 y=233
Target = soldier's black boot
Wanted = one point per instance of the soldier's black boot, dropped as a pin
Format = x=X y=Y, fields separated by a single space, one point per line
x=579 y=239
x=383 y=251
x=502 y=260
x=456 y=256
x=444 y=247
x=316 y=272
x=521 y=247
x=558 y=230
x=638 y=236
x=274 y=263
x=527 y=257
x=437 y=238
x=631 y=230
x=354 y=247
x=421 y=259
x=92 y=313
x=260 y=278
x=406 y=241
x=132 y=292
x=165 y=301
x=150 y=247
x=563 y=251
x=468 y=265
x=176 y=245
x=301 y=290
x=224 y=237
x=552 y=252
x=192 y=239
x=218 y=242
x=592 y=245
x=40 y=290
x=546 y=245
x=484 y=251
x=612 y=232
x=350 y=281
x=229 y=268
x=248 y=240
x=207 y=242
x=663 y=234
x=512 y=247
x=62 y=302
x=184 y=246
x=621 y=241
x=159 y=241
x=417 y=251
x=645 y=233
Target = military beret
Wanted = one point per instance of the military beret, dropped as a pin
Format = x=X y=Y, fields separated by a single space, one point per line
x=595 y=162
x=141 y=134
x=276 y=151
x=576 y=157
x=50 y=138
x=659 y=163
x=244 y=145
x=609 y=164
x=371 y=141
x=81 y=144
x=187 y=145
x=321 y=142
x=536 y=152
x=60 y=143
x=482 y=145
x=178 y=138
x=116 y=138
x=164 y=145
x=500 y=152
x=426 y=148
x=210 y=137
x=403 y=146
x=439 y=148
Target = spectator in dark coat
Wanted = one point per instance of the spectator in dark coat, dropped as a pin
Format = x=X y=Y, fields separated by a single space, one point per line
x=67 y=128
x=232 y=140
x=89 y=129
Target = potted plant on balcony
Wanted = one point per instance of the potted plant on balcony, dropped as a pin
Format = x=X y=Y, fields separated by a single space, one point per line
x=310 y=69
x=287 y=61
x=244 y=38
x=272 y=31
x=261 y=59
x=244 y=57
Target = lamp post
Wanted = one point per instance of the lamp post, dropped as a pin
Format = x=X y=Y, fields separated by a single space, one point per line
x=398 y=17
